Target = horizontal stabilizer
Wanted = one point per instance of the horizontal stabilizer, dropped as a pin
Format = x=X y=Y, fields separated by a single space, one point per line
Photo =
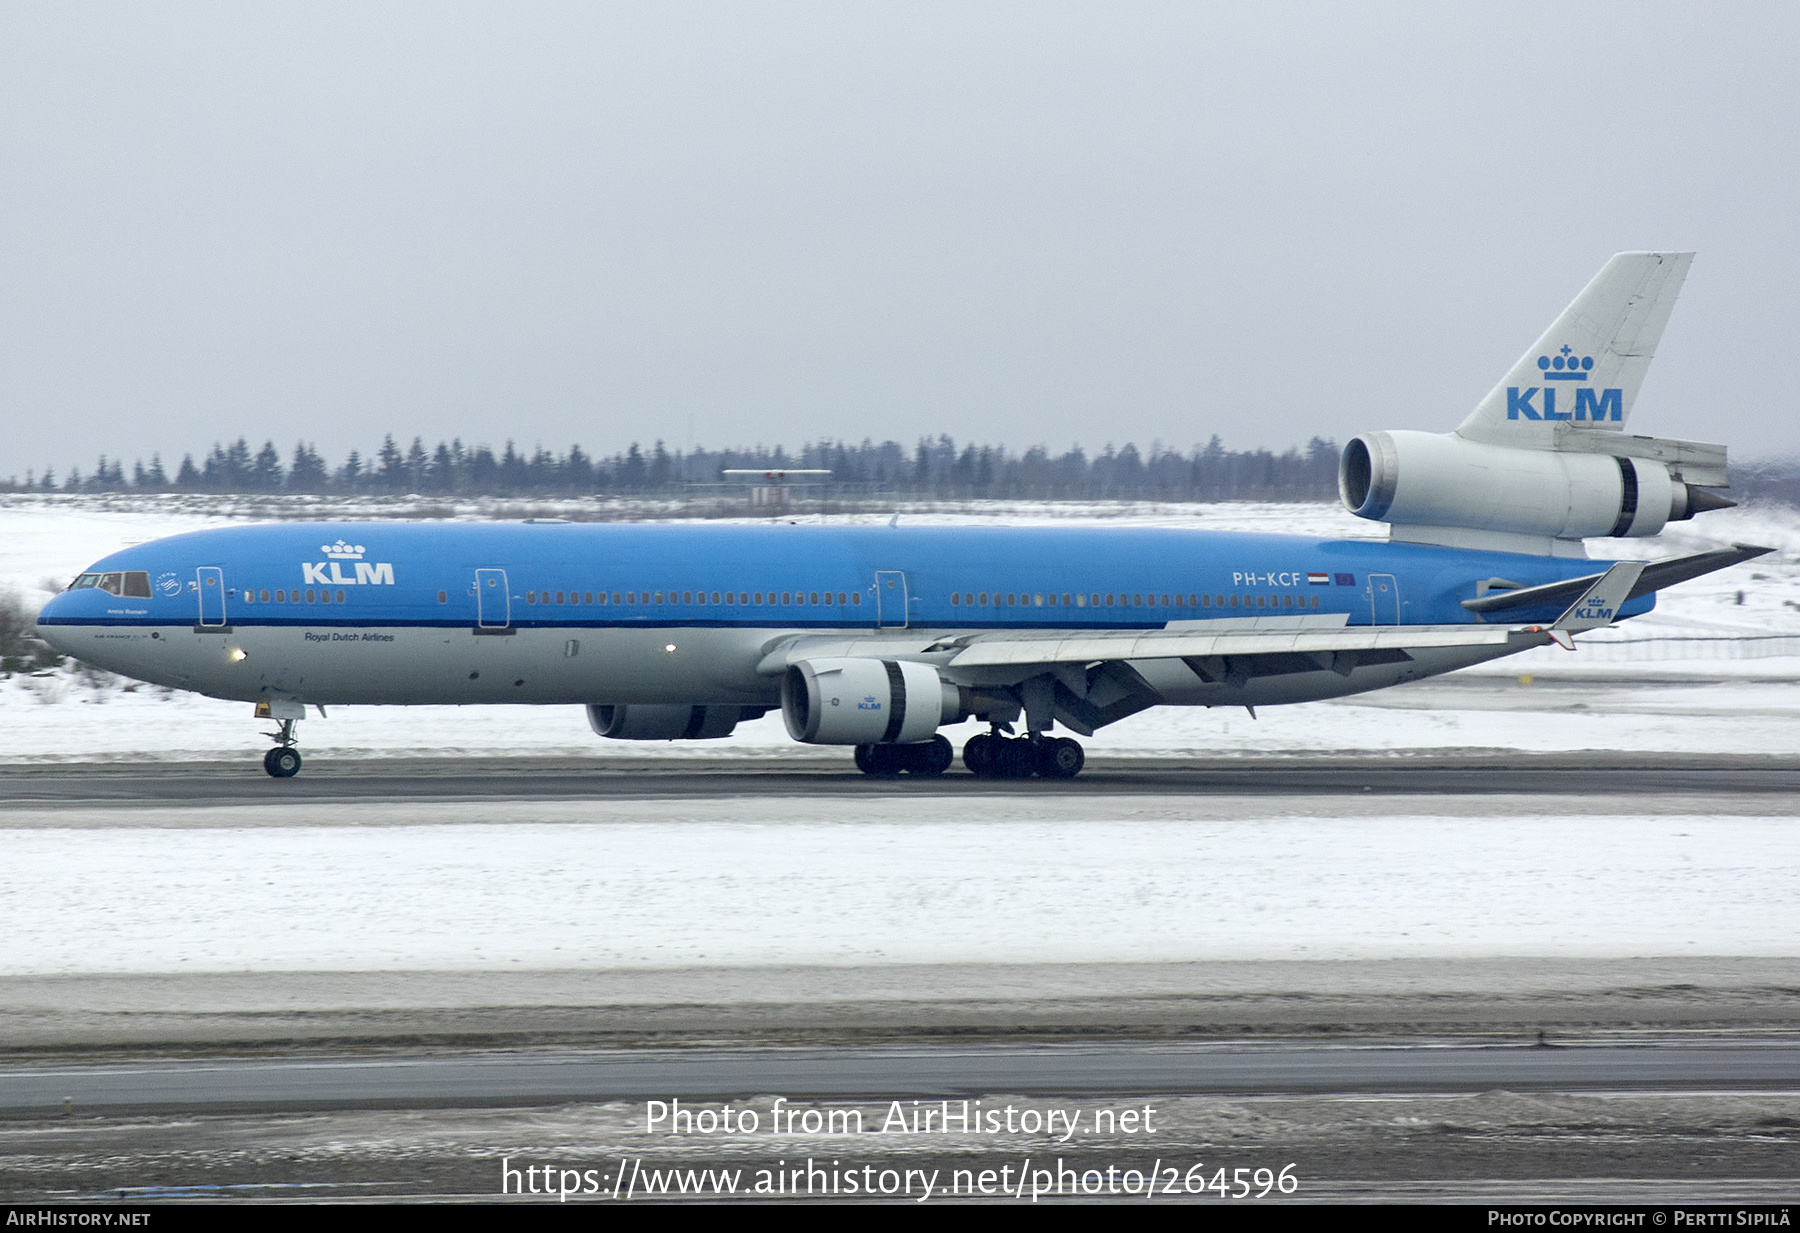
x=1655 y=577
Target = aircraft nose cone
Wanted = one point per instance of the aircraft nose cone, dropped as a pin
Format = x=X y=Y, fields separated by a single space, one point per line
x=45 y=630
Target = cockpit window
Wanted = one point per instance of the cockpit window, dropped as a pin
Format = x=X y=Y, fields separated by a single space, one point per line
x=132 y=584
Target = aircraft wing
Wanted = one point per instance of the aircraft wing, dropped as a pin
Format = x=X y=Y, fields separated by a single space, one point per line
x=1339 y=649
x=1095 y=682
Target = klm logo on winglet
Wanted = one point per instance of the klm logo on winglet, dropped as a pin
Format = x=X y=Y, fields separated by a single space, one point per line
x=331 y=573
x=1565 y=365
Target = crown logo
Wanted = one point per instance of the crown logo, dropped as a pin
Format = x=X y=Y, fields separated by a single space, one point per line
x=341 y=551
x=1565 y=365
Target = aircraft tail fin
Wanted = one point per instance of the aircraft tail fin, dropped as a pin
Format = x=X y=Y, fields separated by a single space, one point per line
x=1584 y=373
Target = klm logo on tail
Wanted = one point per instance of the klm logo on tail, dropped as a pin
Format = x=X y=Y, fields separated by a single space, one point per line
x=366 y=572
x=1589 y=404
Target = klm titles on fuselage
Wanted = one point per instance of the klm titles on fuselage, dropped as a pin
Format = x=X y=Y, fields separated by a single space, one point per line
x=366 y=572
x=1589 y=404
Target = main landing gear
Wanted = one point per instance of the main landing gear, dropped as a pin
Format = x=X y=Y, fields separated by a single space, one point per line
x=931 y=757
x=283 y=761
x=992 y=756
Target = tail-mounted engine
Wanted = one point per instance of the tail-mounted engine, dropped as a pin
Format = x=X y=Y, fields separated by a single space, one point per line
x=866 y=702
x=1544 y=461
x=1569 y=492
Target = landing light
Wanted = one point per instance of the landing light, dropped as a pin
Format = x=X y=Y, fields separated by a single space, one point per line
x=670 y=647
x=238 y=655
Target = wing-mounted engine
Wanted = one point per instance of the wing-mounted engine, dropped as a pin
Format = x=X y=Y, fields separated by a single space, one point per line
x=1544 y=461
x=855 y=701
x=641 y=722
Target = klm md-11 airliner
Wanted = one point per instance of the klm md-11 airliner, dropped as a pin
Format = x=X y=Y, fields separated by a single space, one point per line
x=875 y=637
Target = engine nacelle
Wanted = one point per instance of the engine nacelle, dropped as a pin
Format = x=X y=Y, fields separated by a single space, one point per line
x=640 y=722
x=1442 y=480
x=866 y=702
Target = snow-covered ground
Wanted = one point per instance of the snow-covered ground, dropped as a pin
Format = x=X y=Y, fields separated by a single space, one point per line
x=502 y=886
x=1716 y=668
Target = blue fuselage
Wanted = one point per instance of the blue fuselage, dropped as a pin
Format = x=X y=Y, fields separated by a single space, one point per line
x=561 y=612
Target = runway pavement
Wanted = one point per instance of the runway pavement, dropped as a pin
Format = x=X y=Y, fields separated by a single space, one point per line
x=851 y=1072
x=1600 y=775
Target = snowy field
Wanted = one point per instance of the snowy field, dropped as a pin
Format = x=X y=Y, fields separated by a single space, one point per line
x=1715 y=669
x=515 y=886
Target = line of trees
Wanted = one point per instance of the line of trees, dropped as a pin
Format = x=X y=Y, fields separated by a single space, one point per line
x=933 y=468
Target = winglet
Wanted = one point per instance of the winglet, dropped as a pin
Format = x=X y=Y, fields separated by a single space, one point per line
x=1599 y=604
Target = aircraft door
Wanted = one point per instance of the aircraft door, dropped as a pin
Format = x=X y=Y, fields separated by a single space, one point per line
x=493 y=606
x=211 y=580
x=1384 y=599
x=890 y=599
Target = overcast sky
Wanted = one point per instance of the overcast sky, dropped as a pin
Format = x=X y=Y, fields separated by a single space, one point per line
x=1021 y=223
